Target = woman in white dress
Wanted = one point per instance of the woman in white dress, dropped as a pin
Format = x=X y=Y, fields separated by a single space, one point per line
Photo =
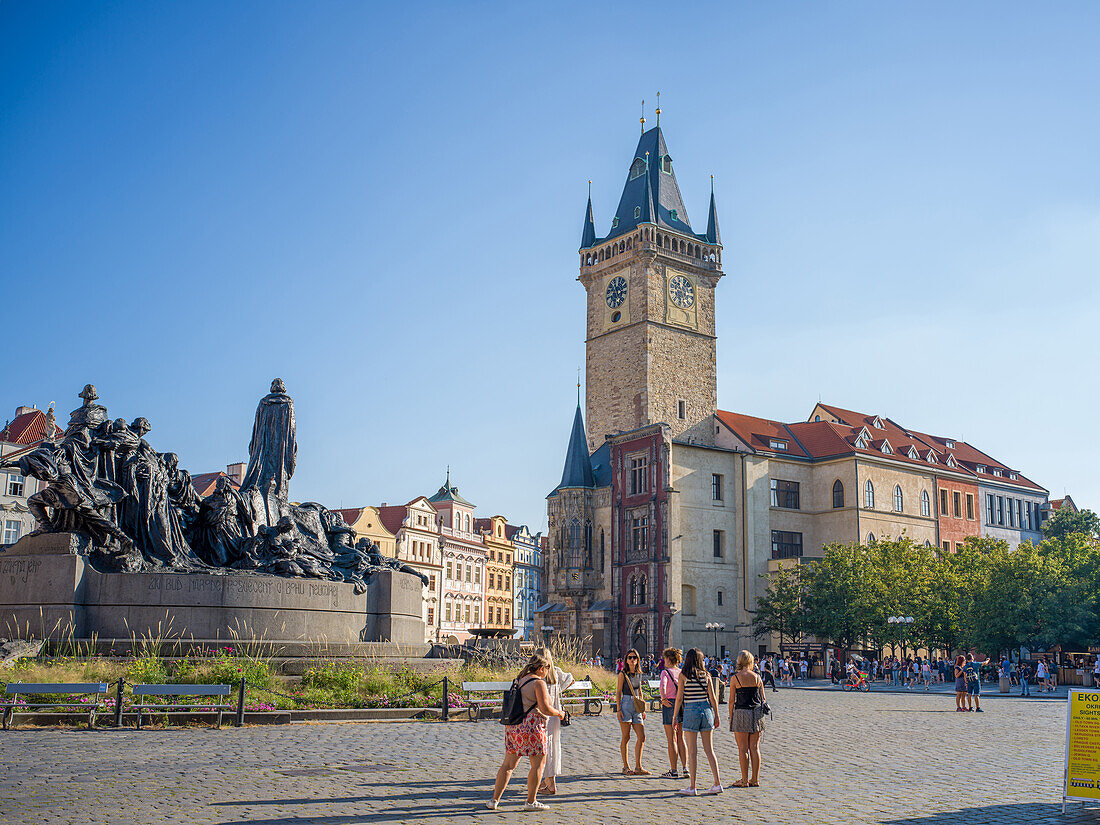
x=557 y=682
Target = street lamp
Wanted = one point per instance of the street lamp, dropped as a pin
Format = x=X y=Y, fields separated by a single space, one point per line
x=715 y=626
x=902 y=620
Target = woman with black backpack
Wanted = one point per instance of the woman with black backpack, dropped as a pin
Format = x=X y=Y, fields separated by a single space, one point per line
x=526 y=708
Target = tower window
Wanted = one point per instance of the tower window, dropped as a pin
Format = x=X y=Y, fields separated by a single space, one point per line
x=681 y=409
x=637 y=168
x=666 y=164
x=615 y=316
x=615 y=223
x=637 y=212
x=672 y=214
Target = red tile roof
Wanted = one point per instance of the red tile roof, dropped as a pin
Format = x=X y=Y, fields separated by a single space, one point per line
x=393 y=516
x=28 y=428
x=350 y=515
x=205 y=482
x=758 y=432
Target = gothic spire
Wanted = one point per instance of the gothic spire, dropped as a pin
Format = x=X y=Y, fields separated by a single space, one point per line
x=588 y=234
x=578 y=465
x=651 y=194
x=713 y=235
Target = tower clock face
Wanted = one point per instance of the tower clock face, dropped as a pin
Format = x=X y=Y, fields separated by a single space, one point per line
x=616 y=292
x=681 y=292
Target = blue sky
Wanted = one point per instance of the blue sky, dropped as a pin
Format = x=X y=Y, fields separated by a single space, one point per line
x=382 y=204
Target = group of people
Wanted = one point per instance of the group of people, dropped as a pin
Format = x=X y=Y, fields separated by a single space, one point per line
x=689 y=714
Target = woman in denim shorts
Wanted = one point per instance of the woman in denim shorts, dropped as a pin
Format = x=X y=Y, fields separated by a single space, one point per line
x=695 y=698
x=631 y=705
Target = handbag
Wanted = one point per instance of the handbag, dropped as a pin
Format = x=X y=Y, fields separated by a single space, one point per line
x=566 y=721
x=512 y=711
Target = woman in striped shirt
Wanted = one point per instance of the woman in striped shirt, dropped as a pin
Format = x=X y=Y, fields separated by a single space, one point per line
x=695 y=698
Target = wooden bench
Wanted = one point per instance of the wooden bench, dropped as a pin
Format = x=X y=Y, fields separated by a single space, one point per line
x=593 y=705
x=52 y=688
x=475 y=704
x=176 y=691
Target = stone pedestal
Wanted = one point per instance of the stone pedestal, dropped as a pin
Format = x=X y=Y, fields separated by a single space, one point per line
x=1004 y=684
x=48 y=590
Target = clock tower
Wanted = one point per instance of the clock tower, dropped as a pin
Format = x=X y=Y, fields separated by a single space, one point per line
x=651 y=348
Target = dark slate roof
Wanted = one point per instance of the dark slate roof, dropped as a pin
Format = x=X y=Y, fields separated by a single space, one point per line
x=578 y=466
x=448 y=492
x=713 y=235
x=654 y=193
x=588 y=234
x=601 y=466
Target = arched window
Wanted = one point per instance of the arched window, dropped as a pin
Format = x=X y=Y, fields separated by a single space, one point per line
x=575 y=543
x=467 y=523
x=899 y=499
x=870 y=538
x=588 y=545
x=637 y=168
x=838 y=493
x=633 y=590
x=641 y=590
x=687 y=596
x=925 y=504
x=869 y=495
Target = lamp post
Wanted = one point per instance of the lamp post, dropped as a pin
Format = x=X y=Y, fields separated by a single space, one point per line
x=900 y=620
x=715 y=627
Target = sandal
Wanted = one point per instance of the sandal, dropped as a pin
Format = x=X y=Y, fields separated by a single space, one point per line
x=740 y=783
x=754 y=785
x=627 y=772
x=642 y=772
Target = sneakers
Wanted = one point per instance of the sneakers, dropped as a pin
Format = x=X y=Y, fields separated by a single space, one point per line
x=535 y=806
x=714 y=789
x=670 y=775
x=979 y=710
x=687 y=792
x=492 y=804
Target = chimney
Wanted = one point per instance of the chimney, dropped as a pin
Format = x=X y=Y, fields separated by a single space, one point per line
x=23 y=410
x=236 y=472
x=384 y=504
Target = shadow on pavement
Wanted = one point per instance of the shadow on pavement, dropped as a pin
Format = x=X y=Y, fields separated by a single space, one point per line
x=1033 y=813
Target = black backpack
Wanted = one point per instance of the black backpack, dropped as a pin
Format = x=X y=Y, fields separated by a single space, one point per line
x=511 y=708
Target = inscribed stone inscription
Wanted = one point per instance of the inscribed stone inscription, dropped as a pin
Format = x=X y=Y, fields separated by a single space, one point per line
x=18 y=570
x=241 y=587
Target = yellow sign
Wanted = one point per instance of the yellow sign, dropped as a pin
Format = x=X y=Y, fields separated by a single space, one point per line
x=1082 y=778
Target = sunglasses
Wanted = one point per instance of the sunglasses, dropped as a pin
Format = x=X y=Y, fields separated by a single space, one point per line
x=628 y=658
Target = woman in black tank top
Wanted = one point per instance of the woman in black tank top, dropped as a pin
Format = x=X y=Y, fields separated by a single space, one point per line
x=747 y=710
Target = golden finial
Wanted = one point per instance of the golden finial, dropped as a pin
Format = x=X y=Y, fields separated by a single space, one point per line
x=711 y=185
x=642 y=118
x=658 y=110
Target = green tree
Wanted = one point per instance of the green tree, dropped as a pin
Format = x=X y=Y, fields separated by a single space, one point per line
x=779 y=609
x=840 y=594
x=1063 y=523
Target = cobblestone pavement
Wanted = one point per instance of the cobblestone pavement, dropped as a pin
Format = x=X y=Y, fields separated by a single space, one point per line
x=828 y=757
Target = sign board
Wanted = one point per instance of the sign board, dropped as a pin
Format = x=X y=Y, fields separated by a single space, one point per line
x=1081 y=781
x=1094 y=649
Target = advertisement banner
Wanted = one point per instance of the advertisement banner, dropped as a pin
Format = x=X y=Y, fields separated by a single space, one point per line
x=1082 y=777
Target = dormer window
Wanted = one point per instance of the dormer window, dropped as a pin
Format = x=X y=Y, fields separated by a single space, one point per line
x=777 y=444
x=861 y=443
x=672 y=214
x=980 y=468
x=614 y=223
x=877 y=424
x=931 y=456
x=666 y=165
x=637 y=212
x=886 y=449
x=912 y=452
x=1013 y=476
x=950 y=445
x=637 y=168
x=951 y=461
x=996 y=472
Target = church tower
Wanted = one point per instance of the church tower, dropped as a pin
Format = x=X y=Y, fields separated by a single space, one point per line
x=651 y=348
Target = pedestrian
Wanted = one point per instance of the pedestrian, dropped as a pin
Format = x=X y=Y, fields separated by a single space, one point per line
x=803 y=666
x=747 y=712
x=1096 y=673
x=1041 y=674
x=896 y=670
x=674 y=731
x=528 y=738
x=785 y=671
x=557 y=682
x=926 y=674
x=960 y=683
x=769 y=675
x=972 y=669
x=696 y=701
x=631 y=705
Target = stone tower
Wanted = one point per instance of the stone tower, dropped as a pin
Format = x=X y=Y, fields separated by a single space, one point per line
x=651 y=348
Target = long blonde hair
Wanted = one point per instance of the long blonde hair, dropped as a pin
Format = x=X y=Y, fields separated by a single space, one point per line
x=745 y=660
x=551 y=674
x=535 y=663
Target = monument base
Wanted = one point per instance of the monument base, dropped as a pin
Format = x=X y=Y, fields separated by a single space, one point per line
x=48 y=590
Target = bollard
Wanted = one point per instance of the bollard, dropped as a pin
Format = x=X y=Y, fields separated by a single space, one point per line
x=444 y=712
x=240 y=703
x=118 y=704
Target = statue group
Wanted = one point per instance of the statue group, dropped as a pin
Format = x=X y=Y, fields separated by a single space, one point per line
x=141 y=511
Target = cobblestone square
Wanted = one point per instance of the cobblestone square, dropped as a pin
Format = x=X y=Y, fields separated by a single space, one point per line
x=887 y=758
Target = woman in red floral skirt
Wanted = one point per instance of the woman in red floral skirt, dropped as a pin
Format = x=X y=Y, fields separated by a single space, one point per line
x=528 y=738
